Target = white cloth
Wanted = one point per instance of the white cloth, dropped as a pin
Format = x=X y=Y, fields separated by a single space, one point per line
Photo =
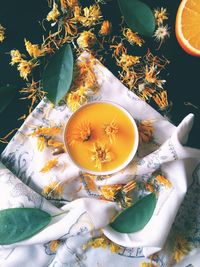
x=86 y=213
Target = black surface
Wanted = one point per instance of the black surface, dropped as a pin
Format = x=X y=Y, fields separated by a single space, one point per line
x=21 y=19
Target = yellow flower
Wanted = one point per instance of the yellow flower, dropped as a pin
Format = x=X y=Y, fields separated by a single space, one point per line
x=163 y=180
x=25 y=67
x=127 y=61
x=111 y=130
x=86 y=39
x=33 y=49
x=2 y=33
x=91 y=16
x=82 y=133
x=146 y=129
x=147 y=93
x=102 y=242
x=132 y=37
x=161 y=100
x=46 y=131
x=16 y=57
x=76 y=98
x=160 y=15
x=54 y=244
x=54 y=143
x=40 y=143
x=109 y=191
x=68 y=3
x=118 y=49
x=105 y=28
x=54 y=13
x=49 y=165
x=181 y=248
x=53 y=190
x=151 y=74
x=100 y=154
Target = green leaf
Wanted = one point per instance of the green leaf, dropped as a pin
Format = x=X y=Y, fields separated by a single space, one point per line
x=138 y=16
x=135 y=217
x=57 y=76
x=7 y=93
x=18 y=224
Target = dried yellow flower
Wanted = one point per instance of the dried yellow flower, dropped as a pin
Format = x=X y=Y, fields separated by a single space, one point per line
x=46 y=131
x=86 y=39
x=109 y=191
x=132 y=37
x=105 y=28
x=54 y=143
x=90 y=16
x=100 y=154
x=102 y=242
x=181 y=248
x=76 y=98
x=127 y=61
x=161 y=100
x=146 y=130
x=53 y=190
x=160 y=15
x=129 y=187
x=151 y=74
x=54 y=244
x=16 y=57
x=111 y=130
x=33 y=49
x=49 y=165
x=146 y=93
x=68 y=4
x=25 y=67
x=163 y=180
x=2 y=33
x=54 y=13
x=82 y=133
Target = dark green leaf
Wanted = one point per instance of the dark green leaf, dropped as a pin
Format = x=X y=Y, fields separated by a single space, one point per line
x=18 y=224
x=136 y=217
x=138 y=16
x=7 y=93
x=57 y=76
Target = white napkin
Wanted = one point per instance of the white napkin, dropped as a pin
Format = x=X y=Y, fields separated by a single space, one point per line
x=86 y=211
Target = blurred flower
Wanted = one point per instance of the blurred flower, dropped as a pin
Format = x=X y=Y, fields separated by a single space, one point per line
x=54 y=143
x=109 y=191
x=111 y=130
x=100 y=154
x=33 y=49
x=91 y=16
x=49 y=165
x=181 y=248
x=105 y=28
x=16 y=57
x=68 y=3
x=40 y=143
x=53 y=190
x=76 y=98
x=102 y=242
x=46 y=131
x=25 y=67
x=132 y=37
x=54 y=13
x=83 y=133
x=160 y=15
x=2 y=33
x=53 y=245
x=127 y=61
x=86 y=39
x=161 y=100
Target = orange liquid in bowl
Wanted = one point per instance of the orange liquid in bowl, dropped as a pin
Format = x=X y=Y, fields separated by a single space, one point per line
x=98 y=115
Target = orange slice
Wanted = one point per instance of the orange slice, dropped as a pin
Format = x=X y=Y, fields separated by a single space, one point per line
x=188 y=26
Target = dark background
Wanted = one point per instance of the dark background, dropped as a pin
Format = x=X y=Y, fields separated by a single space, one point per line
x=22 y=20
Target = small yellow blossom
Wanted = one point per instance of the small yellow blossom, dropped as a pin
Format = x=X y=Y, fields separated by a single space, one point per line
x=147 y=93
x=83 y=133
x=102 y=242
x=54 y=13
x=146 y=129
x=2 y=33
x=16 y=57
x=54 y=143
x=111 y=130
x=100 y=154
x=127 y=61
x=46 y=131
x=40 y=143
x=86 y=39
x=160 y=15
x=163 y=180
x=76 y=98
x=181 y=248
x=53 y=190
x=161 y=100
x=33 y=49
x=132 y=37
x=25 y=67
x=91 y=16
x=151 y=75
x=54 y=244
x=109 y=191
x=68 y=3
x=49 y=165
x=105 y=28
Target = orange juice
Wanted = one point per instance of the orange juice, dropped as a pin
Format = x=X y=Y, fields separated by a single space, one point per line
x=100 y=137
